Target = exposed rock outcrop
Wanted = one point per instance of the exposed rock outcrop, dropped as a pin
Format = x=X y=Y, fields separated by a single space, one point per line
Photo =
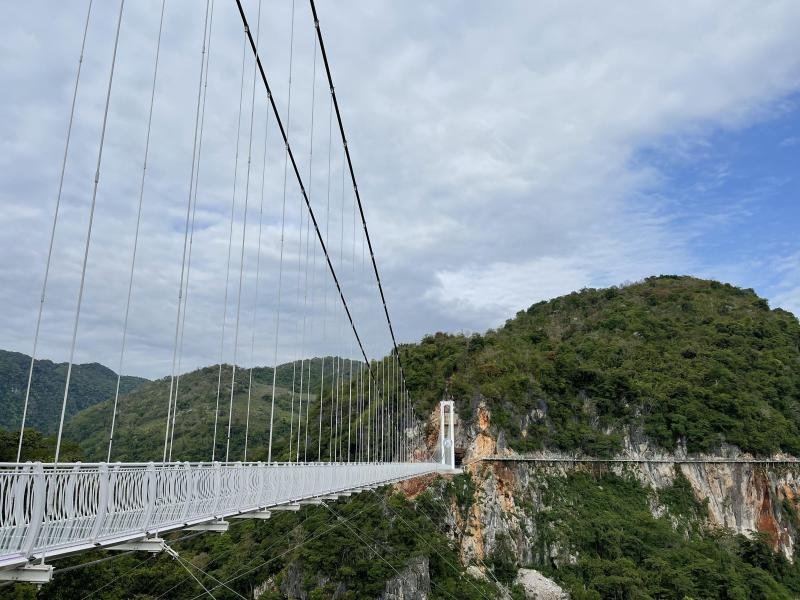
x=413 y=582
x=745 y=497
x=292 y=584
x=539 y=587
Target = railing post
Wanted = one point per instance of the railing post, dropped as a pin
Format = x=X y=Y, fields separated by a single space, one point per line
x=152 y=490
x=38 y=500
x=240 y=487
x=262 y=483
x=217 y=486
x=189 y=501
x=103 y=481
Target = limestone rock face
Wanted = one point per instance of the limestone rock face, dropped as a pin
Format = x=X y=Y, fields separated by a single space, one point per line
x=539 y=587
x=413 y=582
x=743 y=496
x=292 y=584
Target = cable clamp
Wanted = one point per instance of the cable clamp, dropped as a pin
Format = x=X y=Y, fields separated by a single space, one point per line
x=170 y=551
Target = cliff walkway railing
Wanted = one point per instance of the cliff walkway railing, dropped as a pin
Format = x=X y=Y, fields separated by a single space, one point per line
x=48 y=510
x=562 y=459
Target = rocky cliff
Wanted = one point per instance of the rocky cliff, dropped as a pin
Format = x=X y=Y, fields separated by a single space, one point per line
x=733 y=491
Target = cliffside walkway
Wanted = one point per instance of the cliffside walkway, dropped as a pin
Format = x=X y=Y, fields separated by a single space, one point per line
x=630 y=460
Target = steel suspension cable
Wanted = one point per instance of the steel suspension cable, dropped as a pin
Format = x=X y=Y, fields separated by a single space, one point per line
x=186 y=232
x=186 y=564
x=442 y=516
x=298 y=177
x=352 y=172
x=303 y=379
x=136 y=235
x=310 y=361
x=88 y=234
x=53 y=233
x=392 y=408
x=285 y=136
x=228 y=261
x=193 y=188
x=363 y=395
x=383 y=409
x=244 y=236
x=200 y=583
x=296 y=328
x=427 y=543
x=317 y=534
x=341 y=323
x=258 y=253
x=325 y=299
x=299 y=358
x=358 y=533
x=353 y=272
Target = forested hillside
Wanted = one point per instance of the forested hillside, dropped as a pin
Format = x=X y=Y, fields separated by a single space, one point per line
x=676 y=359
x=90 y=384
x=141 y=415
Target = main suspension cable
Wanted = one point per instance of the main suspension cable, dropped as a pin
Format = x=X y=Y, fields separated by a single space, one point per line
x=299 y=178
x=352 y=172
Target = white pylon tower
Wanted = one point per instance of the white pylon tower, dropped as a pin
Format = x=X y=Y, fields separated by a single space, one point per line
x=447 y=433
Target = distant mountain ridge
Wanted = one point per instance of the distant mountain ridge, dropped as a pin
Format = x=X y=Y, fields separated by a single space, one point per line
x=90 y=384
x=141 y=415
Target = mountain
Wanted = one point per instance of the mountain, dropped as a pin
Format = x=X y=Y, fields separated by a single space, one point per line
x=675 y=360
x=89 y=384
x=142 y=414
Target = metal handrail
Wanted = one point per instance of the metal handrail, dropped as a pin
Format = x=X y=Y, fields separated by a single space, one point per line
x=49 y=509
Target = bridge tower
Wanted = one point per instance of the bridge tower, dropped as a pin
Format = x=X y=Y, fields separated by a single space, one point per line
x=447 y=433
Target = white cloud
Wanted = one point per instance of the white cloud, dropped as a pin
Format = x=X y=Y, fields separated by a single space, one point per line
x=495 y=148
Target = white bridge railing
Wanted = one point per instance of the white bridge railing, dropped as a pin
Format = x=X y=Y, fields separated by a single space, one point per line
x=48 y=510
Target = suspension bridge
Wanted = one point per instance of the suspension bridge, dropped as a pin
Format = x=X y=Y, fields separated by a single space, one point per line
x=298 y=254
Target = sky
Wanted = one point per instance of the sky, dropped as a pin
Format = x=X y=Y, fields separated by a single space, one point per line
x=505 y=154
